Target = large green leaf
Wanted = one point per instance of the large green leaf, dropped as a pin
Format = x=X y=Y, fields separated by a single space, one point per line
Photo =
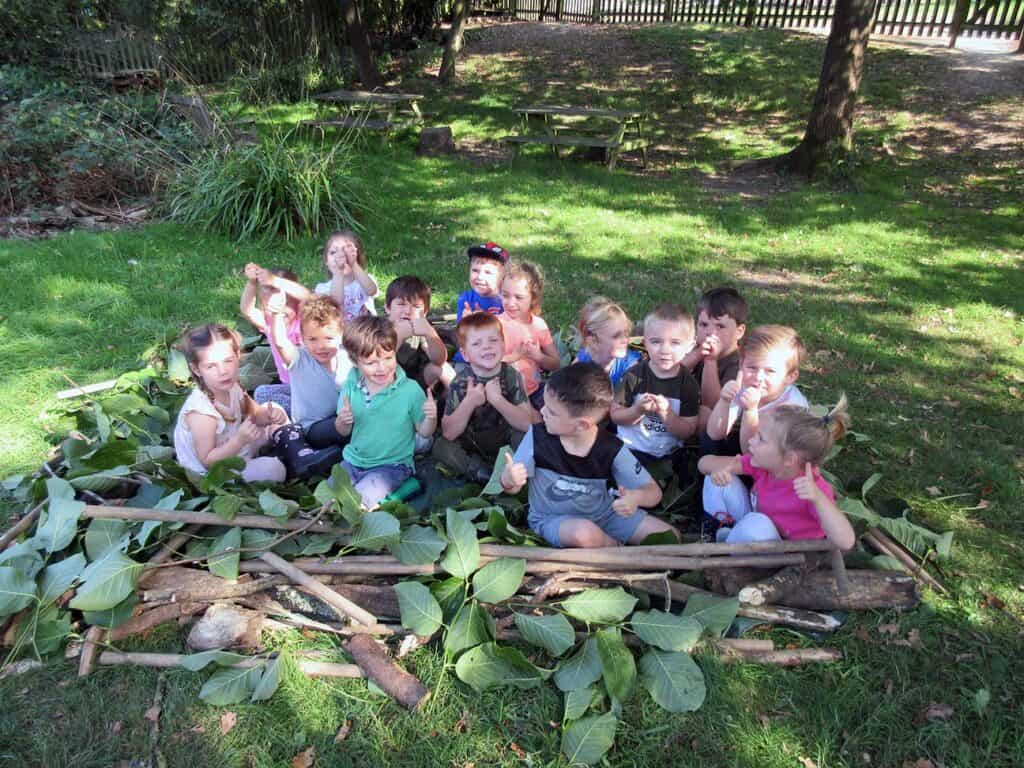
x=46 y=631
x=463 y=554
x=113 y=617
x=101 y=482
x=103 y=535
x=274 y=506
x=418 y=545
x=421 y=613
x=580 y=670
x=59 y=577
x=253 y=538
x=106 y=582
x=617 y=664
x=667 y=631
x=675 y=682
x=498 y=580
x=499 y=527
x=577 y=703
x=60 y=526
x=489 y=665
x=715 y=613
x=59 y=488
x=196 y=661
x=473 y=625
x=450 y=595
x=377 y=530
x=914 y=537
x=347 y=496
x=226 y=505
x=269 y=681
x=587 y=740
x=231 y=685
x=17 y=590
x=223 y=558
x=221 y=473
x=553 y=633
x=493 y=487
x=600 y=605
x=23 y=557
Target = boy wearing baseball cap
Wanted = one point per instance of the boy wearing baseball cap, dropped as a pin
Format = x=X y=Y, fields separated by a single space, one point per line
x=486 y=268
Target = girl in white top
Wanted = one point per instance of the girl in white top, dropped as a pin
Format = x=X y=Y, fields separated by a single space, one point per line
x=350 y=285
x=219 y=419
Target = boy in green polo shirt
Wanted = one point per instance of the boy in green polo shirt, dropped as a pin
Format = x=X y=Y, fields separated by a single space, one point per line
x=382 y=409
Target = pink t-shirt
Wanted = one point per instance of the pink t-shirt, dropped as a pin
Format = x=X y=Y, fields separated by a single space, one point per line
x=294 y=333
x=794 y=517
x=515 y=334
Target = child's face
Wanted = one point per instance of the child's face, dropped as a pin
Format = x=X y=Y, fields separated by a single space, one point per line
x=484 y=276
x=379 y=368
x=724 y=327
x=484 y=349
x=666 y=343
x=402 y=308
x=768 y=370
x=266 y=293
x=217 y=366
x=322 y=341
x=516 y=298
x=608 y=343
x=764 y=448
x=556 y=416
x=341 y=254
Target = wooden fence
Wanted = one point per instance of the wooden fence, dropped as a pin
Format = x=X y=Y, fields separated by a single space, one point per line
x=102 y=55
x=1001 y=19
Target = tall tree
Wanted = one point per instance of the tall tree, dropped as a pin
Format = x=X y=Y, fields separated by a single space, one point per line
x=830 y=126
x=452 y=46
x=359 y=39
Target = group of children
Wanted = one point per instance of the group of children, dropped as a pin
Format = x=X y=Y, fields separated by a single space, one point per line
x=362 y=390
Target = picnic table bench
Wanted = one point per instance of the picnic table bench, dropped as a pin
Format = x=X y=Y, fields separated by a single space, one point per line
x=366 y=110
x=612 y=130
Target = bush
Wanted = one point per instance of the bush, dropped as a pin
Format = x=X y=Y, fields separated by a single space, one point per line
x=269 y=188
x=290 y=82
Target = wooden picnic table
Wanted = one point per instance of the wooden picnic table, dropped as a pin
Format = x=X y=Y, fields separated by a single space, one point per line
x=613 y=130
x=369 y=110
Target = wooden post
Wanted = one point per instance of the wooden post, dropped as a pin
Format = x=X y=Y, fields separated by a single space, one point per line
x=558 y=10
x=959 y=16
x=595 y=13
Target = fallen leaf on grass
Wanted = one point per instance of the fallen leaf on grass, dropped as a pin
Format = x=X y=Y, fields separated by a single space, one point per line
x=116 y=726
x=912 y=640
x=861 y=633
x=152 y=714
x=197 y=729
x=921 y=762
x=463 y=723
x=933 y=490
x=889 y=629
x=304 y=759
x=992 y=601
x=519 y=751
x=342 y=733
x=934 y=713
x=806 y=762
x=227 y=722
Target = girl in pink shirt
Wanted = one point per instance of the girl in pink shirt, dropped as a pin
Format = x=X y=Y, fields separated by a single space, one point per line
x=789 y=499
x=528 y=343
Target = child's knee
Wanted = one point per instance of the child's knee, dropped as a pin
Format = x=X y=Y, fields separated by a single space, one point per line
x=583 y=533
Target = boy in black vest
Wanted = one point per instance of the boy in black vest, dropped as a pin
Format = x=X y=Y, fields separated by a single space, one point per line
x=586 y=488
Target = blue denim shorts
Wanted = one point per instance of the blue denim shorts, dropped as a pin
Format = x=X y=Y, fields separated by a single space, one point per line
x=615 y=525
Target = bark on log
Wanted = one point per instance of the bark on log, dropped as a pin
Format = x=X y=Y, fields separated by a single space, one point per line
x=309 y=667
x=207 y=593
x=769 y=590
x=19 y=527
x=208 y=518
x=161 y=614
x=343 y=605
x=170 y=548
x=377 y=666
x=787 y=657
x=818 y=590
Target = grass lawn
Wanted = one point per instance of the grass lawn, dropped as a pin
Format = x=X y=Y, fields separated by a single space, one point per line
x=905 y=280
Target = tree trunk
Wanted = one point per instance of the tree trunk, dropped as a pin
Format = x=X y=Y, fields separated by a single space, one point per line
x=830 y=126
x=359 y=39
x=452 y=46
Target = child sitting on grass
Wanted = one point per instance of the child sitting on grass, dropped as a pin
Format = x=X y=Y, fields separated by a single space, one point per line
x=382 y=409
x=570 y=462
x=657 y=403
x=790 y=499
x=715 y=360
x=528 y=342
x=350 y=285
x=604 y=338
x=486 y=407
x=218 y=420
x=421 y=353
x=486 y=267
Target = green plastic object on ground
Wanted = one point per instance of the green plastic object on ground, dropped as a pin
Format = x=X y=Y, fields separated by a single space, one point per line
x=406 y=490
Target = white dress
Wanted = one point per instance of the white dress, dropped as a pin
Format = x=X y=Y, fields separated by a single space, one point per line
x=356 y=301
x=199 y=402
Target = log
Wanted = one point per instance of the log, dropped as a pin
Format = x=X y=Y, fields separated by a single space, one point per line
x=387 y=566
x=404 y=688
x=772 y=588
x=343 y=605
x=642 y=559
x=12 y=534
x=208 y=518
x=161 y=614
x=90 y=649
x=789 y=657
x=207 y=593
x=309 y=667
x=878 y=539
x=380 y=601
x=170 y=548
x=818 y=590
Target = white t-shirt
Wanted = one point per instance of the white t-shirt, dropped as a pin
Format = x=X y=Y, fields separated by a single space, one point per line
x=790 y=396
x=356 y=301
x=199 y=402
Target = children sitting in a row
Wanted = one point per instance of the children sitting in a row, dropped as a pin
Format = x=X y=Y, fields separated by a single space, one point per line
x=712 y=381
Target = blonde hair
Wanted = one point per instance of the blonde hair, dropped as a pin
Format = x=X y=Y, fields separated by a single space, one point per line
x=671 y=313
x=524 y=270
x=322 y=310
x=598 y=313
x=766 y=337
x=345 y=234
x=811 y=436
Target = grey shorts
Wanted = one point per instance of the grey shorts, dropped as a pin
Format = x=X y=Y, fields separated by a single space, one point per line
x=615 y=525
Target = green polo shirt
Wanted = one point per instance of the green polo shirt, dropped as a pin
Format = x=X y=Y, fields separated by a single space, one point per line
x=383 y=428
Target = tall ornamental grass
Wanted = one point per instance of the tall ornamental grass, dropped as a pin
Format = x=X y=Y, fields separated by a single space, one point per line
x=273 y=187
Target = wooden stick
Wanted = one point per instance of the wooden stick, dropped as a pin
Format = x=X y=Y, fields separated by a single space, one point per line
x=673 y=550
x=170 y=548
x=389 y=567
x=878 y=539
x=88 y=389
x=642 y=559
x=90 y=648
x=224 y=591
x=404 y=688
x=164 y=660
x=161 y=614
x=12 y=534
x=341 y=604
x=839 y=571
x=789 y=657
x=208 y=518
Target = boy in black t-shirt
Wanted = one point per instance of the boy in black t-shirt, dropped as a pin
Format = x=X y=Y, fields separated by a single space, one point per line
x=586 y=488
x=421 y=353
x=657 y=403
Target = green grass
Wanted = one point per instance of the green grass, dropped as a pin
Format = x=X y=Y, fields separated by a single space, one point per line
x=906 y=285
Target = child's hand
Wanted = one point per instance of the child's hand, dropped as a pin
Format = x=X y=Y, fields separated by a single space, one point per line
x=711 y=347
x=647 y=402
x=248 y=433
x=277 y=415
x=492 y=389
x=476 y=393
x=514 y=475
x=429 y=405
x=276 y=303
x=624 y=503
x=345 y=416
x=661 y=407
x=531 y=349
x=729 y=391
x=468 y=310
x=750 y=398
x=252 y=272
x=806 y=488
x=421 y=327
x=721 y=477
